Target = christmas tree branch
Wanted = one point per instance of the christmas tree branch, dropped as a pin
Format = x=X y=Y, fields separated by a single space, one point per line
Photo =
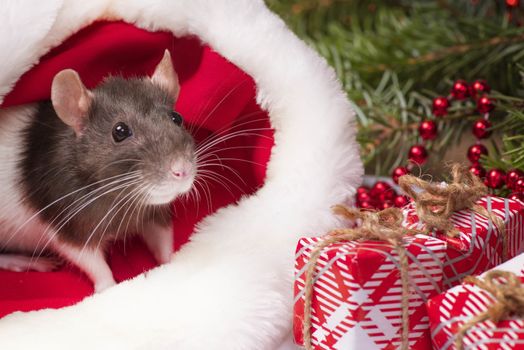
x=393 y=57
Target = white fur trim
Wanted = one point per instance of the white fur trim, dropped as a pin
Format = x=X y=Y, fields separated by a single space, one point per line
x=231 y=286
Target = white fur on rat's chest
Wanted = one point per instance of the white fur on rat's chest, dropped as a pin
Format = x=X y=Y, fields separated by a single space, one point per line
x=20 y=229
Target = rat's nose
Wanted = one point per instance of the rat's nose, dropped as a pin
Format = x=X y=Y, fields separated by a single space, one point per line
x=181 y=169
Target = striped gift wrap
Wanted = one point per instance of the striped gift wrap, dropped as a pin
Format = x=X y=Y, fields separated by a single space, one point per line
x=357 y=293
x=479 y=246
x=450 y=310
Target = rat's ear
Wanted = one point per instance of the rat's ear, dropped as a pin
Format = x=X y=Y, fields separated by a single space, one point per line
x=71 y=99
x=165 y=76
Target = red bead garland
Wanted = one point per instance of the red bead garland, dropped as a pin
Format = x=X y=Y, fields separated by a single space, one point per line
x=519 y=185
x=400 y=201
x=512 y=177
x=481 y=129
x=428 y=130
x=379 y=187
x=440 y=106
x=479 y=87
x=460 y=90
x=382 y=195
x=495 y=178
x=485 y=104
x=363 y=197
x=418 y=154
x=398 y=172
x=476 y=151
x=478 y=170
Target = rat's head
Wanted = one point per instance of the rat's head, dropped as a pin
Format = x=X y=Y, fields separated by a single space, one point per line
x=126 y=130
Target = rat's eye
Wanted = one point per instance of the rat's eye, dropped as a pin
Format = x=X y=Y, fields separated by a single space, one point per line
x=121 y=132
x=176 y=118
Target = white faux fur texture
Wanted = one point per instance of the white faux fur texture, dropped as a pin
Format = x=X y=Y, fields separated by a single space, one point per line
x=231 y=286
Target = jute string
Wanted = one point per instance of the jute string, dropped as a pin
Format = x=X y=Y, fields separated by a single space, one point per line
x=382 y=226
x=509 y=300
x=436 y=203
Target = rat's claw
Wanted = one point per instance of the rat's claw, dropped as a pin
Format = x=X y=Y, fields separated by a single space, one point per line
x=21 y=263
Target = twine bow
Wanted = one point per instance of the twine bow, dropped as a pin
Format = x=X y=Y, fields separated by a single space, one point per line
x=509 y=300
x=384 y=226
x=436 y=203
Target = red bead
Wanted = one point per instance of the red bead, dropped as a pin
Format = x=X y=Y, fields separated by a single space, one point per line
x=385 y=205
x=400 y=201
x=476 y=151
x=495 y=178
x=481 y=129
x=460 y=90
x=428 y=130
x=366 y=205
x=398 y=172
x=512 y=177
x=362 y=189
x=440 y=106
x=512 y=3
x=519 y=185
x=478 y=170
x=418 y=154
x=479 y=87
x=516 y=196
x=386 y=196
x=485 y=104
x=363 y=197
x=379 y=187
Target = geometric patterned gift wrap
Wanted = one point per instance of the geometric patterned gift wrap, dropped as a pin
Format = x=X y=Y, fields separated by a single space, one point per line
x=450 y=310
x=357 y=293
x=478 y=248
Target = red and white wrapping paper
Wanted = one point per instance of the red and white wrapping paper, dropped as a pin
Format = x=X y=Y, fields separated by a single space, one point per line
x=478 y=248
x=357 y=293
x=450 y=310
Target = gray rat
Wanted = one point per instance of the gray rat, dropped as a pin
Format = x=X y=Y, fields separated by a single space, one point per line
x=90 y=166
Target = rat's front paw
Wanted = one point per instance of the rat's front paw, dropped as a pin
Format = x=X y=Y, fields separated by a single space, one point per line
x=102 y=285
x=159 y=240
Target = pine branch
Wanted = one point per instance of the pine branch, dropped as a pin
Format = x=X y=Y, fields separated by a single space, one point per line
x=393 y=57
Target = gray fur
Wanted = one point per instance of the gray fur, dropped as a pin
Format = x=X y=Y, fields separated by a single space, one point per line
x=56 y=162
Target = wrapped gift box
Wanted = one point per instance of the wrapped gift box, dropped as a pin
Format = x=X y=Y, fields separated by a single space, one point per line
x=450 y=310
x=479 y=245
x=357 y=293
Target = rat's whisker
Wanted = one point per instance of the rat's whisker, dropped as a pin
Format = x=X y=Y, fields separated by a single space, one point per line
x=70 y=216
x=222 y=138
x=120 y=205
x=249 y=132
x=231 y=128
x=36 y=214
x=197 y=118
x=207 y=193
x=220 y=180
x=209 y=172
x=224 y=98
x=223 y=166
x=127 y=160
x=230 y=159
x=134 y=204
x=137 y=193
x=88 y=196
x=223 y=149
x=142 y=206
